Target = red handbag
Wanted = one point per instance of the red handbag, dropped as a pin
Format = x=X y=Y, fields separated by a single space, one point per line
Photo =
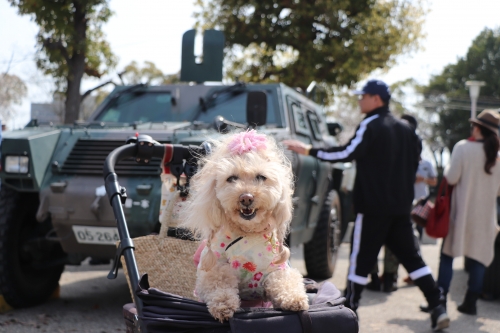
x=438 y=220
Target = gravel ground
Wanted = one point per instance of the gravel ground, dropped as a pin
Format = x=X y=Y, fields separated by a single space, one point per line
x=89 y=303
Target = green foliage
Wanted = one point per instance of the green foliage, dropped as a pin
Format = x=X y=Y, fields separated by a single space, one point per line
x=297 y=41
x=149 y=74
x=71 y=43
x=59 y=39
x=448 y=96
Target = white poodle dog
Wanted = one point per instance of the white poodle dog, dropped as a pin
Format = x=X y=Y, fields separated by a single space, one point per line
x=241 y=203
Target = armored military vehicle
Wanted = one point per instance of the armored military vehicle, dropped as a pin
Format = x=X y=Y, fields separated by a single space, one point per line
x=53 y=208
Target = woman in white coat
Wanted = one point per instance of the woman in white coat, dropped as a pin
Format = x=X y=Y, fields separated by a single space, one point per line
x=475 y=172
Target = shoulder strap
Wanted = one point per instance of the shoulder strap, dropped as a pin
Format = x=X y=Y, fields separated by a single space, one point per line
x=443 y=188
x=233 y=242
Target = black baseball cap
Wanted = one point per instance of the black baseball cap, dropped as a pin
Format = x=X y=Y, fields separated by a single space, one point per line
x=375 y=87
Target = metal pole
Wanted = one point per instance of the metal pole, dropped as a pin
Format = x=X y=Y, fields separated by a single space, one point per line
x=474 y=88
x=473 y=108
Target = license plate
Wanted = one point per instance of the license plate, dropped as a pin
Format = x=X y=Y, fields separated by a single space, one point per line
x=96 y=235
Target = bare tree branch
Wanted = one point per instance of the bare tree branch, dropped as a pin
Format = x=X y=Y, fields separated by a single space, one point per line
x=8 y=65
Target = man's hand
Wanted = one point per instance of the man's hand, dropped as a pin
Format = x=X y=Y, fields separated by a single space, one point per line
x=297 y=146
x=419 y=179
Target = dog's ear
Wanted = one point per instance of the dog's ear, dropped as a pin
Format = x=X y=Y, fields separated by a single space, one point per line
x=214 y=213
x=282 y=213
x=203 y=213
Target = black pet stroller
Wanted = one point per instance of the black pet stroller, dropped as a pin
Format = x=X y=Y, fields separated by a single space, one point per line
x=156 y=311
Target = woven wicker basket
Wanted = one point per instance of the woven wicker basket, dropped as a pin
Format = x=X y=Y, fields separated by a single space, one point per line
x=168 y=261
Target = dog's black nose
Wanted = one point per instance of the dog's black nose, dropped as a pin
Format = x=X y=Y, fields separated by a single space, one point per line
x=246 y=199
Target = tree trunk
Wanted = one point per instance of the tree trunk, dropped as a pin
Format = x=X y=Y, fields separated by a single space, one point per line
x=72 y=100
x=76 y=64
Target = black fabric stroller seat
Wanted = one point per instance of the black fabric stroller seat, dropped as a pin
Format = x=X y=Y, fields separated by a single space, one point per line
x=164 y=312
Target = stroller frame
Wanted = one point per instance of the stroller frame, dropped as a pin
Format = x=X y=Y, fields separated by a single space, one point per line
x=142 y=148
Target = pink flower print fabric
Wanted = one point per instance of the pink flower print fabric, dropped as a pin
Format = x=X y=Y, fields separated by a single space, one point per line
x=251 y=257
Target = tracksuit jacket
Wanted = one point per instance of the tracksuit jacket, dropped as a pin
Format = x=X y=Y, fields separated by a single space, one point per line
x=387 y=152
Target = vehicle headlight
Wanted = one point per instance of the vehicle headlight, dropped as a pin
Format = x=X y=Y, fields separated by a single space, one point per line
x=16 y=164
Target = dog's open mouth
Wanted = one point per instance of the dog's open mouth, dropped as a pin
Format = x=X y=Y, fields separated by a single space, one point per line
x=247 y=213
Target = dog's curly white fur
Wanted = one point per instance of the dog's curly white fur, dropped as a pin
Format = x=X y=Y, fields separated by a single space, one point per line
x=247 y=194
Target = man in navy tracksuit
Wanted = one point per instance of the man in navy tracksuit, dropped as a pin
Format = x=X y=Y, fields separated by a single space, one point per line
x=387 y=152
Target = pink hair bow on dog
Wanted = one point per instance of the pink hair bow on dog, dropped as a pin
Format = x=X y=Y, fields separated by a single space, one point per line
x=247 y=141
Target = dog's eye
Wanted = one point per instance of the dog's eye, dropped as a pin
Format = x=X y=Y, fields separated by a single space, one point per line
x=232 y=179
x=260 y=177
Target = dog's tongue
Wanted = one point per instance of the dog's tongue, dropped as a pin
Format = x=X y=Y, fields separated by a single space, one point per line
x=247 y=211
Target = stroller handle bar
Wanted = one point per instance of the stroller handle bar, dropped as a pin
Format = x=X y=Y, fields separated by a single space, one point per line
x=142 y=148
x=180 y=159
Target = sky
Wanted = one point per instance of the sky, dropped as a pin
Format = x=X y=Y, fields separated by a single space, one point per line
x=152 y=30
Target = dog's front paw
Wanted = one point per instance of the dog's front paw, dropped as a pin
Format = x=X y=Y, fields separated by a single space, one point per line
x=296 y=303
x=223 y=306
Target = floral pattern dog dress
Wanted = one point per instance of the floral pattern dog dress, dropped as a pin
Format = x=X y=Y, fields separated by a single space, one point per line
x=251 y=257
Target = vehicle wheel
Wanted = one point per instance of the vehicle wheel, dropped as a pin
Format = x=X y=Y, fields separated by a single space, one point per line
x=320 y=253
x=29 y=266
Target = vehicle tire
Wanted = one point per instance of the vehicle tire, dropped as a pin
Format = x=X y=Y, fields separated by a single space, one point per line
x=25 y=278
x=320 y=253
